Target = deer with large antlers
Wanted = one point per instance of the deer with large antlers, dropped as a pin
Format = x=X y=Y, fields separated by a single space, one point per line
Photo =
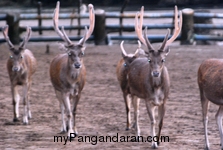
x=21 y=66
x=122 y=69
x=67 y=72
x=148 y=77
x=210 y=81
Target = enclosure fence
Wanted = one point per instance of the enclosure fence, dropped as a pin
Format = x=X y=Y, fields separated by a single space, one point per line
x=197 y=26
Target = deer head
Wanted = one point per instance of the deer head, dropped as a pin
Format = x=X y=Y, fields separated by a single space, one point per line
x=129 y=58
x=156 y=57
x=74 y=51
x=17 y=54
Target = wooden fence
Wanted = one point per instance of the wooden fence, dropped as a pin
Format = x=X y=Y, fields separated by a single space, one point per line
x=102 y=30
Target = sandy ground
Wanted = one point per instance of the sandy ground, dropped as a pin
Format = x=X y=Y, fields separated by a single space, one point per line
x=101 y=110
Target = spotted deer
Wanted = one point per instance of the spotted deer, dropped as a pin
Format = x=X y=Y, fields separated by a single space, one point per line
x=68 y=73
x=21 y=66
x=148 y=77
x=122 y=72
x=210 y=80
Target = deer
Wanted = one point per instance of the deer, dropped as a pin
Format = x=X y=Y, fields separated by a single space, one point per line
x=68 y=72
x=122 y=72
x=209 y=79
x=148 y=77
x=21 y=66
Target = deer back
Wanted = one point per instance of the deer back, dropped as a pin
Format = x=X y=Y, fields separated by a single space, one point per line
x=210 y=79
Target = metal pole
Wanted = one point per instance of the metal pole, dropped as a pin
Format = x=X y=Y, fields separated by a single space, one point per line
x=79 y=19
x=121 y=12
x=39 y=19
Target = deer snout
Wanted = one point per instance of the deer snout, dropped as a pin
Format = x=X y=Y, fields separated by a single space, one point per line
x=77 y=65
x=15 y=69
x=155 y=74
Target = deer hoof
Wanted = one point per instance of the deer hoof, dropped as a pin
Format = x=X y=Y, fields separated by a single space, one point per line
x=127 y=128
x=16 y=120
x=154 y=146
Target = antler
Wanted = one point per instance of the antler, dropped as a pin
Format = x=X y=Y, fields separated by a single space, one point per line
x=122 y=48
x=138 y=29
x=91 y=25
x=5 y=33
x=62 y=34
x=27 y=37
x=177 y=26
x=145 y=41
x=124 y=52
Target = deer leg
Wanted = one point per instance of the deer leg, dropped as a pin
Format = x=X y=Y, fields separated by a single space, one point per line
x=161 y=113
x=15 y=102
x=218 y=117
x=59 y=97
x=28 y=103
x=205 y=106
x=66 y=99
x=25 y=100
x=76 y=99
x=127 y=100
x=151 y=111
x=136 y=101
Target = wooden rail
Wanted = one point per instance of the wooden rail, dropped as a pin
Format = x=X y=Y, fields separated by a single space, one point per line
x=101 y=34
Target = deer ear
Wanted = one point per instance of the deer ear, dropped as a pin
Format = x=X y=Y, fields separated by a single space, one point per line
x=166 y=50
x=139 y=52
x=62 y=47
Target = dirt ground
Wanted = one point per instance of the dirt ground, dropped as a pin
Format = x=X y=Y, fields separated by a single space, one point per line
x=101 y=110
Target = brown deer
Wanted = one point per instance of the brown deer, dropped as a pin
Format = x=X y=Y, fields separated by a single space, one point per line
x=210 y=84
x=121 y=73
x=67 y=72
x=21 y=66
x=148 y=77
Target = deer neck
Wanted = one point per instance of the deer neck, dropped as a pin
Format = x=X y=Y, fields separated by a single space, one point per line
x=156 y=81
x=72 y=74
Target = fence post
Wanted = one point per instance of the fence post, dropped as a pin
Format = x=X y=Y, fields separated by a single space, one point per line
x=12 y=20
x=187 y=33
x=203 y=20
x=100 y=28
x=39 y=17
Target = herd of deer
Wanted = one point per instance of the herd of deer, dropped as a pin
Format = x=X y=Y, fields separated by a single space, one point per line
x=141 y=75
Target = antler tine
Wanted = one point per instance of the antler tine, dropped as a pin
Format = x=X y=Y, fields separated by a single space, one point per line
x=177 y=26
x=66 y=37
x=165 y=40
x=138 y=27
x=89 y=31
x=145 y=40
x=5 y=33
x=122 y=48
x=56 y=28
x=139 y=44
x=27 y=37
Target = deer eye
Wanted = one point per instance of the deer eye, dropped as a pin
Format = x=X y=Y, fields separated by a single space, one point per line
x=82 y=53
x=69 y=53
x=11 y=56
x=21 y=56
x=149 y=60
x=163 y=60
x=124 y=65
